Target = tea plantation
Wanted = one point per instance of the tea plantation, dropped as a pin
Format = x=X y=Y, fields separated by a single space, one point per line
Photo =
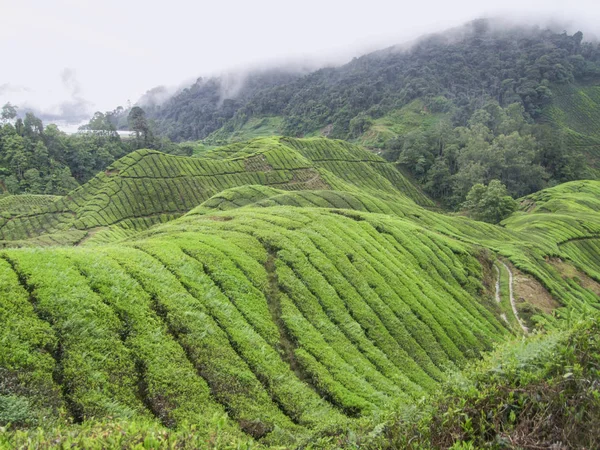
x=278 y=292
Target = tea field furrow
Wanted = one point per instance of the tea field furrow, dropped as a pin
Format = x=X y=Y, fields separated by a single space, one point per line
x=173 y=390
x=94 y=366
x=292 y=395
x=29 y=366
x=208 y=347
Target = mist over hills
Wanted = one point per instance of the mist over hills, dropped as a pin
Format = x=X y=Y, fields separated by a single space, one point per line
x=483 y=60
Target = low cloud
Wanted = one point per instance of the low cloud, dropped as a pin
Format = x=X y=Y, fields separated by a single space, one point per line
x=75 y=109
x=71 y=111
x=8 y=89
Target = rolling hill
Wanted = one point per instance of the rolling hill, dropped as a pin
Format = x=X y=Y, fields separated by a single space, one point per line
x=148 y=187
x=276 y=292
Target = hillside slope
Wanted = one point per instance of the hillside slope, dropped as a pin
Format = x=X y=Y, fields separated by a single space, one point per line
x=462 y=68
x=299 y=291
x=575 y=111
x=148 y=187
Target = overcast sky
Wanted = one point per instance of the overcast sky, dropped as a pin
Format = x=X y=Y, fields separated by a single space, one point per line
x=71 y=57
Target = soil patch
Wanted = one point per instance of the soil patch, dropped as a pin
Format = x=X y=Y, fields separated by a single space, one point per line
x=528 y=289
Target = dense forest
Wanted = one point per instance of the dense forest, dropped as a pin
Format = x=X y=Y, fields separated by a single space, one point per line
x=209 y=103
x=458 y=71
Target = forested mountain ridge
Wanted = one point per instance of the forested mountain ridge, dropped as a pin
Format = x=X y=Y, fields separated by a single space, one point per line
x=462 y=68
x=484 y=101
x=209 y=103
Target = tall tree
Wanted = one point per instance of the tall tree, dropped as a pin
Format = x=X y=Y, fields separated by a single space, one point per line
x=490 y=203
x=139 y=124
x=9 y=112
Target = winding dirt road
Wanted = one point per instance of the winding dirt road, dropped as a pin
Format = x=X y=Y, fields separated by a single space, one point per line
x=512 y=297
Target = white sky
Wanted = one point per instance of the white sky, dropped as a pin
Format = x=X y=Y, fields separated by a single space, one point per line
x=100 y=54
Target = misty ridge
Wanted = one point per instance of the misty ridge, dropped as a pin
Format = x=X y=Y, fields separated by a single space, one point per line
x=331 y=96
x=229 y=89
x=232 y=84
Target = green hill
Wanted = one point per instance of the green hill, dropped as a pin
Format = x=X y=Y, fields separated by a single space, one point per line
x=277 y=292
x=575 y=110
x=148 y=187
x=487 y=100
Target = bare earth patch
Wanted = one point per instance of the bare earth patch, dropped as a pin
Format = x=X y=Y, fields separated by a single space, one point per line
x=528 y=289
x=220 y=218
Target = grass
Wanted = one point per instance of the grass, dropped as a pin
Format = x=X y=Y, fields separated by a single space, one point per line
x=411 y=117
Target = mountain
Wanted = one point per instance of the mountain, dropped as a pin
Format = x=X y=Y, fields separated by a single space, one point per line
x=464 y=67
x=443 y=108
x=208 y=103
x=279 y=291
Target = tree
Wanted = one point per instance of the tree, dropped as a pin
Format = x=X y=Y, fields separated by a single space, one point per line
x=9 y=112
x=489 y=203
x=138 y=123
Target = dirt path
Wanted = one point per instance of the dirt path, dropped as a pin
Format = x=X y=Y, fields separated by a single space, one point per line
x=498 y=299
x=497 y=284
x=512 y=298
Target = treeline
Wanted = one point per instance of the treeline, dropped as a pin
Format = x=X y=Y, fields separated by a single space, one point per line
x=210 y=103
x=462 y=69
x=495 y=144
x=44 y=160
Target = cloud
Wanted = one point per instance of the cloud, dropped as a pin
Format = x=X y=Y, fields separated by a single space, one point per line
x=68 y=77
x=8 y=89
x=156 y=96
x=73 y=109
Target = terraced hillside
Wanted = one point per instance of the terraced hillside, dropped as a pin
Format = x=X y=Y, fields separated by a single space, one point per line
x=302 y=291
x=576 y=110
x=148 y=187
x=288 y=320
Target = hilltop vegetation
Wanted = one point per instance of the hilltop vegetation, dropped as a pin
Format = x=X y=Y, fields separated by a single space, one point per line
x=278 y=292
x=485 y=101
x=148 y=187
x=455 y=71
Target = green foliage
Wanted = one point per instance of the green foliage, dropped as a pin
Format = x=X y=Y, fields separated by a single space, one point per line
x=535 y=393
x=147 y=187
x=38 y=160
x=13 y=410
x=280 y=292
x=498 y=143
x=119 y=434
x=489 y=203
x=185 y=314
x=574 y=115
